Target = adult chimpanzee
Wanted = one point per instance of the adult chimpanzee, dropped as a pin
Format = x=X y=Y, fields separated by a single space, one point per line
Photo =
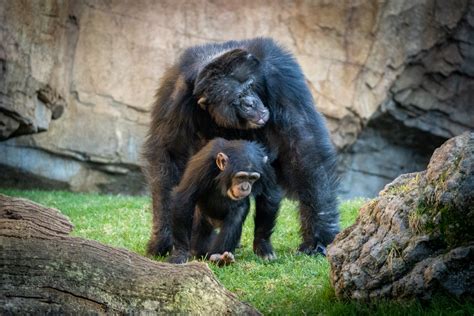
x=218 y=180
x=255 y=90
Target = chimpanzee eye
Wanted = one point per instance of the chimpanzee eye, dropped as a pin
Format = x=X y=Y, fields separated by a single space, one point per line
x=241 y=178
x=254 y=176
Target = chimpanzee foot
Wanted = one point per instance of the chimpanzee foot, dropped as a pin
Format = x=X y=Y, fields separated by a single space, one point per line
x=224 y=259
x=312 y=250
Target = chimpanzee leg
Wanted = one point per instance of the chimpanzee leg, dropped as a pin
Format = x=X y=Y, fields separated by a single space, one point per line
x=318 y=212
x=202 y=236
x=267 y=206
x=231 y=229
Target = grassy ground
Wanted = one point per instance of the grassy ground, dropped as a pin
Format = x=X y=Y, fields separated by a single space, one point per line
x=292 y=285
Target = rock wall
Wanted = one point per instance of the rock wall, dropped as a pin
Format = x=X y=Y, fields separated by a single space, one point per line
x=431 y=100
x=78 y=79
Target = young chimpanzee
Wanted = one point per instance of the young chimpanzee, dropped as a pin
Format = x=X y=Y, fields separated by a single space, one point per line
x=214 y=193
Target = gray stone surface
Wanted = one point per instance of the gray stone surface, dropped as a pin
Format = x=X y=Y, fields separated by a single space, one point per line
x=77 y=78
x=417 y=238
x=376 y=159
x=30 y=46
x=431 y=100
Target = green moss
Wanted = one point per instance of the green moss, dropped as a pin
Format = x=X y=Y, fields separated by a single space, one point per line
x=394 y=251
x=405 y=186
x=443 y=177
x=455 y=227
x=451 y=224
x=399 y=189
x=415 y=221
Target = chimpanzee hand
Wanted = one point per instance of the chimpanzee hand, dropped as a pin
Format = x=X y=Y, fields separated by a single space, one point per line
x=263 y=248
x=224 y=259
x=178 y=257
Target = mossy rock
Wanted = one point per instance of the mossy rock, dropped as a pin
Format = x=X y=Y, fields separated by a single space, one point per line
x=417 y=237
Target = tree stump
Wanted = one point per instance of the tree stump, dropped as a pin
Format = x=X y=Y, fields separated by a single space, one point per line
x=44 y=270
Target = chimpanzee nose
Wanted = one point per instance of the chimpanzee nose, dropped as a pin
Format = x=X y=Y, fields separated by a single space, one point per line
x=248 y=102
x=245 y=187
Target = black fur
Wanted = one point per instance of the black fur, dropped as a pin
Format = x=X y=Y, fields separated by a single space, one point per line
x=205 y=186
x=231 y=78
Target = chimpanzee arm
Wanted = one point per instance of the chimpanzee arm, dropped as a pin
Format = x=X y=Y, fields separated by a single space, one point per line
x=231 y=229
x=182 y=221
x=307 y=158
x=166 y=151
x=196 y=179
x=314 y=181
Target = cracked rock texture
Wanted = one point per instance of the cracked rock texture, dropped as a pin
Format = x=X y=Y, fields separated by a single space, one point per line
x=430 y=101
x=417 y=238
x=77 y=80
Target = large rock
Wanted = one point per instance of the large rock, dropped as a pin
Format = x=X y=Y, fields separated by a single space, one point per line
x=77 y=78
x=417 y=237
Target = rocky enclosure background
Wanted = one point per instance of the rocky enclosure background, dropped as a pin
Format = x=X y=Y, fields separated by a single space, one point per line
x=393 y=78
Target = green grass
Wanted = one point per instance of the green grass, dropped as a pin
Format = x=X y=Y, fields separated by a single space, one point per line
x=293 y=284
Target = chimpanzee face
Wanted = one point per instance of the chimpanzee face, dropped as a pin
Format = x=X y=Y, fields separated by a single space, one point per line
x=227 y=89
x=241 y=182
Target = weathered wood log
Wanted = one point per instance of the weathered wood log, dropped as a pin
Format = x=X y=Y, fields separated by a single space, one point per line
x=43 y=270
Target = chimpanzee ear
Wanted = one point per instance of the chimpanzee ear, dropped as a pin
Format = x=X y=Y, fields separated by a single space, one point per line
x=265 y=159
x=202 y=102
x=221 y=161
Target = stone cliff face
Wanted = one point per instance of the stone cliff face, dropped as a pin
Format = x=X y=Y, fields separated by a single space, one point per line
x=430 y=101
x=77 y=78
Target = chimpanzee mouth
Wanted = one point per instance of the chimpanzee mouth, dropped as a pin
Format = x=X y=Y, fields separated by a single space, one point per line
x=258 y=124
x=260 y=120
x=233 y=197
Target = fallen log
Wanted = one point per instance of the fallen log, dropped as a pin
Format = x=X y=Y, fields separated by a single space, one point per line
x=44 y=270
